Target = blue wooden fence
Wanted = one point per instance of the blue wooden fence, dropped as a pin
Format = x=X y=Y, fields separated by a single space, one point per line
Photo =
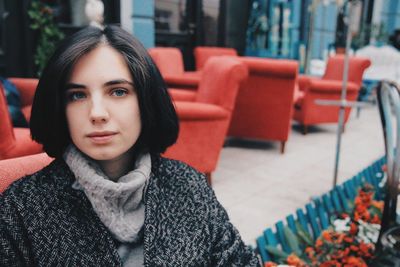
x=315 y=216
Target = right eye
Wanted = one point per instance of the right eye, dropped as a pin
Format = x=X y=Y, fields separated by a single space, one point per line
x=75 y=96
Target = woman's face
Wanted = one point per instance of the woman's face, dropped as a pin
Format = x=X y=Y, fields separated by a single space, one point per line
x=102 y=107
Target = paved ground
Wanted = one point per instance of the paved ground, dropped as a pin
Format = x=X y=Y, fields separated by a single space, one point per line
x=259 y=186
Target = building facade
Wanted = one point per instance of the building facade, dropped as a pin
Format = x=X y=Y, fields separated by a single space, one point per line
x=266 y=28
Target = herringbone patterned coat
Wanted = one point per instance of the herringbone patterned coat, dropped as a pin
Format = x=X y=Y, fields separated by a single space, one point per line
x=45 y=222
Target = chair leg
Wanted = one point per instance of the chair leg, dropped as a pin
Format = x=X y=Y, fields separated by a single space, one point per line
x=304 y=129
x=283 y=143
x=208 y=176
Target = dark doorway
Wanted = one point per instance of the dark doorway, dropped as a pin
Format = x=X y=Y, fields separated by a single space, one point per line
x=15 y=39
x=186 y=24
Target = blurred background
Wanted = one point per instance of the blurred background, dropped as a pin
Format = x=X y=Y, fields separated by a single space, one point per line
x=266 y=28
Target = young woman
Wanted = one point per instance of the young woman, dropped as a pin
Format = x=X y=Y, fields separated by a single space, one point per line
x=109 y=199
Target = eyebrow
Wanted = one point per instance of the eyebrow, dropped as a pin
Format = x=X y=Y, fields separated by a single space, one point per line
x=112 y=82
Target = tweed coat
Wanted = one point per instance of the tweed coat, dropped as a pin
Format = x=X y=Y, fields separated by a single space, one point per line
x=45 y=222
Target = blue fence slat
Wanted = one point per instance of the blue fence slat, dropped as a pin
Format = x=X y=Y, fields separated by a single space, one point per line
x=303 y=220
x=261 y=249
x=312 y=218
x=326 y=199
x=342 y=198
x=336 y=202
x=270 y=237
x=368 y=178
x=357 y=181
x=281 y=236
x=349 y=189
x=291 y=223
x=322 y=214
x=374 y=179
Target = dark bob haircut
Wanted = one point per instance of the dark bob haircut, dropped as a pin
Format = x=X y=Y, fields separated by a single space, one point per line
x=48 y=121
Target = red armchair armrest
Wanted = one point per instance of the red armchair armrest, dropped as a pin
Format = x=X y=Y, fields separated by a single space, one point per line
x=326 y=86
x=303 y=82
x=182 y=81
x=200 y=111
x=182 y=95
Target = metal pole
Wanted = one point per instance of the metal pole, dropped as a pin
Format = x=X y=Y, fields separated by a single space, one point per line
x=307 y=62
x=344 y=90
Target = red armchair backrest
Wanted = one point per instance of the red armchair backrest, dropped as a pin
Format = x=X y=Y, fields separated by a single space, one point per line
x=203 y=53
x=357 y=66
x=169 y=60
x=220 y=81
x=264 y=103
x=7 y=138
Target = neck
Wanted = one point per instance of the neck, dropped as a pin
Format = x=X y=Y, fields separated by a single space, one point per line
x=117 y=167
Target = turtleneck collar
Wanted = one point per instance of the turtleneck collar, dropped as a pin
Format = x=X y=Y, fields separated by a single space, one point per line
x=118 y=204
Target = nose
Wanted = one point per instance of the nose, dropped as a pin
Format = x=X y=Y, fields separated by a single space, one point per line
x=98 y=110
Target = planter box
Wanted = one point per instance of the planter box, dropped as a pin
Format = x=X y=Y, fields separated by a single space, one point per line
x=315 y=216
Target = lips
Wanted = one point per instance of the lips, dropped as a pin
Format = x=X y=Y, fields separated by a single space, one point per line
x=101 y=137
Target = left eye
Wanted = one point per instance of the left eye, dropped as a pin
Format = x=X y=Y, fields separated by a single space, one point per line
x=118 y=92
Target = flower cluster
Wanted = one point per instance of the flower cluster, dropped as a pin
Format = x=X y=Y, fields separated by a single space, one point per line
x=348 y=242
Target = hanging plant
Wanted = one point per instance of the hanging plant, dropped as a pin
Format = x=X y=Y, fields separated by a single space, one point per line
x=42 y=21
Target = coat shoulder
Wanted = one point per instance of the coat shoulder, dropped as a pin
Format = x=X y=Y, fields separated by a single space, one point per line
x=177 y=174
x=44 y=182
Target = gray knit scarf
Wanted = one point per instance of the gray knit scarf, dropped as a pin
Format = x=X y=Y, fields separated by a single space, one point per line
x=119 y=204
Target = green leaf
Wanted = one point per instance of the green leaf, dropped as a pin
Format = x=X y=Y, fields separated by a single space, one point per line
x=304 y=236
x=292 y=241
x=276 y=252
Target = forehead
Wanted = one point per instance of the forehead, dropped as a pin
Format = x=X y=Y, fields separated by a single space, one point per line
x=102 y=64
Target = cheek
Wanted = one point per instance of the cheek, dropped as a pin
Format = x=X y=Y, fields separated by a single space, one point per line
x=73 y=121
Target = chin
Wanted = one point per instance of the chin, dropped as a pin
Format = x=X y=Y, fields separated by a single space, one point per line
x=102 y=155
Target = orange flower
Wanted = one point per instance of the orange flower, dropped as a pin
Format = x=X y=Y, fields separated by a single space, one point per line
x=376 y=219
x=384 y=167
x=366 y=249
x=330 y=263
x=344 y=215
x=349 y=239
x=327 y=235
x=378 y=204
x=366 y=216
x=353 y=228
x=270 y=264
x=354 y=262
x=361 y=209
x=318 y=243
x=354 y=248
x=294 y=260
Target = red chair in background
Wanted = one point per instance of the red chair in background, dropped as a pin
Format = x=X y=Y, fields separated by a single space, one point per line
x=205 y=115
x=329 y=87
x=15 y=168
x=17 y=142
x=264 y=105
x=169 y=61
x=203 y=53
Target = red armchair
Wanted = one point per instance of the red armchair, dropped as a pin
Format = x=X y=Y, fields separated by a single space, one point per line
x=264 y=105
x=205 y=115
x=329 y=87
x=17 y=142
x=203 y=53
x=15 y=168
x=169 y=61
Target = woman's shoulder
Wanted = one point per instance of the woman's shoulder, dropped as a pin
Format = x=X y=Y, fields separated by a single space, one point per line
x=176 y=171
x=44 y=181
